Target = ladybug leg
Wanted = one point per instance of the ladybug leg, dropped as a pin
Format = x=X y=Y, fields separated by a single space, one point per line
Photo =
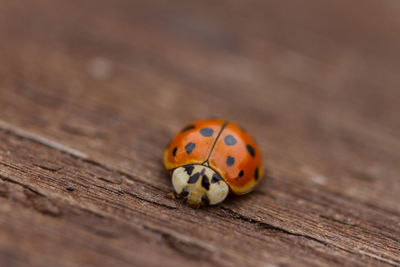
x=172 y=195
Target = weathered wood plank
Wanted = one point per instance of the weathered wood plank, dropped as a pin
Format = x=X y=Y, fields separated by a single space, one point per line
x=69 y=198
x=90 y=95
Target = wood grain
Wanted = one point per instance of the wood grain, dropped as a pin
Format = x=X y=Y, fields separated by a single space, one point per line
x=90 y=94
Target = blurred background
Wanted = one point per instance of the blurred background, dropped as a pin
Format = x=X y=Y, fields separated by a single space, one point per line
x=343 y=54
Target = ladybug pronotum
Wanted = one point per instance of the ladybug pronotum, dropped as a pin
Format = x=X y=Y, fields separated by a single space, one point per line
x=209 y=158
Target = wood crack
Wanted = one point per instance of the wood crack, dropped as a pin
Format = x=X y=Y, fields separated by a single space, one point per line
x=47 y=168
x=30 y=197
x=22 y=185
x=192 y=250
x=151 y=201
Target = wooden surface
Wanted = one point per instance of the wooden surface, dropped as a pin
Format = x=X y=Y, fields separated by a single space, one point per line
x=91 y=92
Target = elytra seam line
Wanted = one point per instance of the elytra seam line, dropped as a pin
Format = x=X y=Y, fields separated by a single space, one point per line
x=216 y=140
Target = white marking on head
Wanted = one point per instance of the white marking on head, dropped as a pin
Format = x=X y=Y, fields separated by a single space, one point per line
x=199 y=184
x=218 y=192
x=179 y=179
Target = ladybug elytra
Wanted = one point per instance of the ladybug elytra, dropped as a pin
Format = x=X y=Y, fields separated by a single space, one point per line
x=209 y=158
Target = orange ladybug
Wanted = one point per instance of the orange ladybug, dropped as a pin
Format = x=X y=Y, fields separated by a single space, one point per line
x=209 y=158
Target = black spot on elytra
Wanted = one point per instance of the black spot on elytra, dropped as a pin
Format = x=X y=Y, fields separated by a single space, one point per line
x=251 y=150
x=256 y=174
x=189 y=169
x=230 y=140
x=174 y=151
x=187 y=128
x=193 y=179
x=205 y=182
x=230 y=161
x=189 y=147
x=241 y=173
x=204 y=200
x=207 y=132
x=215 y=178
x=203 y=171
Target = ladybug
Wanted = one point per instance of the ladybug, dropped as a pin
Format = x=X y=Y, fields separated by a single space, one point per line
x=209 y=158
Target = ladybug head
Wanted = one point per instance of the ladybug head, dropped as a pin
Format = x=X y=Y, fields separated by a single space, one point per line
x=199 y=185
